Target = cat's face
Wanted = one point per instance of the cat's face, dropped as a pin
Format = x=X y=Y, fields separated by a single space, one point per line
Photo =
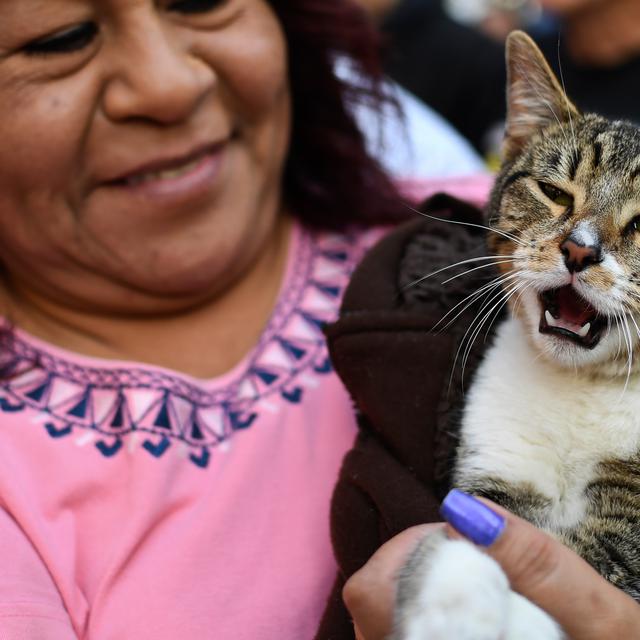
x=568 y=202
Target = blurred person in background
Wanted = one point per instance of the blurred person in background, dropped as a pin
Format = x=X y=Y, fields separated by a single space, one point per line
x=599 y=53
x=457 y=65
x=453 y=68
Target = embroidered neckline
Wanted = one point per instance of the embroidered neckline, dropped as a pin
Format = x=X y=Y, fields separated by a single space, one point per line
x=158 y=410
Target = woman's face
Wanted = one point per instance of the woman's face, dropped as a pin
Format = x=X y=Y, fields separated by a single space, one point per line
x=142 y=144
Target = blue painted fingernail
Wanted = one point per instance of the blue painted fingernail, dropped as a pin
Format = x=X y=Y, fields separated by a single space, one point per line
x=472 y=518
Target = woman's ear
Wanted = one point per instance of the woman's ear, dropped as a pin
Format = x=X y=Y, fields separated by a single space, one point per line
x=535 y=99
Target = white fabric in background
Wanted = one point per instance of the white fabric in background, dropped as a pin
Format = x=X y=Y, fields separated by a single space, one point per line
x=419 y=143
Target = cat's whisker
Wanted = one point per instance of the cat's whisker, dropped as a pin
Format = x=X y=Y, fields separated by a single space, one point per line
x=617 y=319
x=620 y=321
x=624 y=331
x=468 y=224
x=629 y=342
x=516 y=291
x=484 y=266
x=517 y=296
x=469 y=328
x=625 y=318
x=497 y=307
x=617 y=322
x=479 y=323
x=635 y=324
x=451 y=266
x=516 y=302
x=635 y=297
x=472 y=298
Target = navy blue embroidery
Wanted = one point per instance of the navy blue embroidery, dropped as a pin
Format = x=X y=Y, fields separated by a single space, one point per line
x=109 y=450
x=202 y=460
x=294 y=396
x=7 y=407
x=55 y=432
x=240 y=421
x=112 y=404
x=158 y=449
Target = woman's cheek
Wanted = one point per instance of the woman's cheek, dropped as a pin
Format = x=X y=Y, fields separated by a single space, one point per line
x=255 y=67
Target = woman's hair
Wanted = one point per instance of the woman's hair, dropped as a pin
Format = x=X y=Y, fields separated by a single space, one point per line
x=330 y=178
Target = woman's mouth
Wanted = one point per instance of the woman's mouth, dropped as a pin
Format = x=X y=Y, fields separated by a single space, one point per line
x=178 y=177
x=166 y=174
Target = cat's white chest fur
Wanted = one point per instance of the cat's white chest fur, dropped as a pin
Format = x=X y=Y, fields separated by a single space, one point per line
x=527 y=421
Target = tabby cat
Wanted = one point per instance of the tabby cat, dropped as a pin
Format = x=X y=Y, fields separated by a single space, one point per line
x=551 y=426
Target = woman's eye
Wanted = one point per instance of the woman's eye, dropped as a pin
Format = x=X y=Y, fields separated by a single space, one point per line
x=556 y=195
x=195 y=6
x=633 y=226
x=73 y=39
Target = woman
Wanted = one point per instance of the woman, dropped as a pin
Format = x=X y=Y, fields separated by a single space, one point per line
x=170 y=430
x=170 y=427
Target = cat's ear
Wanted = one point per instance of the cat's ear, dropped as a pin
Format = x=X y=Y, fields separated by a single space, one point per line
x=535 y=98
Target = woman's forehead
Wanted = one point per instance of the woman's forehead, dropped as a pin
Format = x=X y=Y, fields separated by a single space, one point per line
x=51 y=6
x=48 y=7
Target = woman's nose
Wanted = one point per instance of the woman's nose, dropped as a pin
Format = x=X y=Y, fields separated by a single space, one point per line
x=155 y=77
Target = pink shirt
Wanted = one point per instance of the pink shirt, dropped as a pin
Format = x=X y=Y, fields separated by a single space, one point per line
x=136 y=502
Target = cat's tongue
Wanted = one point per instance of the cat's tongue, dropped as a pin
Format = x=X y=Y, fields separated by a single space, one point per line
x=572 y=308
x=568 y=315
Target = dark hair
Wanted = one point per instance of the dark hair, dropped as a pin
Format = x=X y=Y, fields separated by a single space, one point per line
x=330 y=179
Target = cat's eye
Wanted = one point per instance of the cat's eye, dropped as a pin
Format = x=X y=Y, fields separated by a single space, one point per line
x=633 y=226
x=195 y=6
x=66 y=41
x=556 y=195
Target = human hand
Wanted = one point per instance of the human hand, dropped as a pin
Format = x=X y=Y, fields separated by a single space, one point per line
x=538 y=566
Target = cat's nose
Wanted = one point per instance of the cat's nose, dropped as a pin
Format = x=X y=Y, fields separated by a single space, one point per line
x=578 y=256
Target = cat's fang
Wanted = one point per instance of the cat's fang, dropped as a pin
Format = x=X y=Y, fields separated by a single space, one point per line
x=585 y=330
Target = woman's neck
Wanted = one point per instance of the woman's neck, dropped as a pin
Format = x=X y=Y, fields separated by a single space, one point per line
x=605 y=33
x=203 y=341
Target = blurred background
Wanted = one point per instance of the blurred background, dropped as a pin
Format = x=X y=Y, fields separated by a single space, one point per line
x=449 y=54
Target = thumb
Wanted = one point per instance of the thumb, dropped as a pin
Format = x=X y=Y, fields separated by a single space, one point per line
x=542 y=569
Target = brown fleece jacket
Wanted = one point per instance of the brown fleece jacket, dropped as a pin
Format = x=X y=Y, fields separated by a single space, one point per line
x=395 y=355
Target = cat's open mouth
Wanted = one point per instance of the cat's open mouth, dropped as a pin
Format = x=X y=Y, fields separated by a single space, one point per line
x=567 y=314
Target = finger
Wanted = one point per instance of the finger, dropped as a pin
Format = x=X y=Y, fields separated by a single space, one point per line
x=543 y=569
x=371 y=592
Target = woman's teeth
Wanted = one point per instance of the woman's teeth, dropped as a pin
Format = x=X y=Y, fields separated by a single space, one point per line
x=166 y=174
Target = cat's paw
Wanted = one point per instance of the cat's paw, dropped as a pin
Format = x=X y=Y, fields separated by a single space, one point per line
x=452 y=591
x=526 y=621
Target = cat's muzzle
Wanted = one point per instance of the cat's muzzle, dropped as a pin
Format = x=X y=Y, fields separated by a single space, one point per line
x=566 y=314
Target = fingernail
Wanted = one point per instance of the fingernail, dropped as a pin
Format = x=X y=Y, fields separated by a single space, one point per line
x=472 y=518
